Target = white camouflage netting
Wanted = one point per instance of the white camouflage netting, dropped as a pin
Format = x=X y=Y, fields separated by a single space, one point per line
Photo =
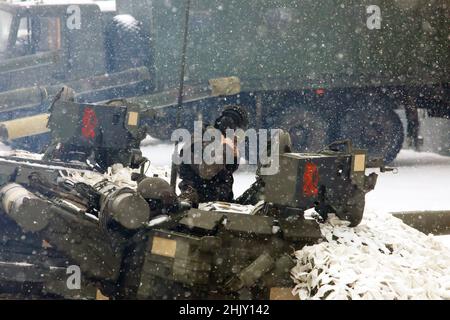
x=382 y=258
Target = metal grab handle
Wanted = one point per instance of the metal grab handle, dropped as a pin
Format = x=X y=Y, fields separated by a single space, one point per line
x=347 y=143
x=250 y=274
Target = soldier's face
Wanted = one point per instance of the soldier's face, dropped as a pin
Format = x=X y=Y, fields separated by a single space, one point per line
x=225 y=123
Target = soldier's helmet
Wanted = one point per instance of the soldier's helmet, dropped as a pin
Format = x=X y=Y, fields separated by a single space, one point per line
x=232 y=117
x=209 y=171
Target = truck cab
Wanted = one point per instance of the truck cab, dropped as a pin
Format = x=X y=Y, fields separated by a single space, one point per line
x=51 y=42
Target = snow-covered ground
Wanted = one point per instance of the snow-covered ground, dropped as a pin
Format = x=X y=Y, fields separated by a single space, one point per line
x=422 y=183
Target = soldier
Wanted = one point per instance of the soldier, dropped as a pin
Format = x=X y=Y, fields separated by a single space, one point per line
x=214 y=182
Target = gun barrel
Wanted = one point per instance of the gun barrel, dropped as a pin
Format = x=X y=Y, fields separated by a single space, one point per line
x=24 y=127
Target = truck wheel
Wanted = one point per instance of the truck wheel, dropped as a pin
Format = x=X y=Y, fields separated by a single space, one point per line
x=374 y=126
x=307 y=128
x=161 y=129
x=126 y=44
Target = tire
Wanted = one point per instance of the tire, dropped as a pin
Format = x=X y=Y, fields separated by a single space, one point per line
x=126 y=44
x=308 y=129
x=372 y=124
x=162 y=128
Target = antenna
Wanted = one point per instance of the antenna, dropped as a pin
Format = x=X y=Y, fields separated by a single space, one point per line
x=174 y=171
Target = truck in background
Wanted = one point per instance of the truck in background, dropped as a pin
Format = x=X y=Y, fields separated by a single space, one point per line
x=323 y=70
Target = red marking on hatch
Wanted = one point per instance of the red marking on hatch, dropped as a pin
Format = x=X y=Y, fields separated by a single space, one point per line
x=310 y=180
x=89 y=123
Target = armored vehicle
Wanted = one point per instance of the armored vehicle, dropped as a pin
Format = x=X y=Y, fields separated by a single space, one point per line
x=70 y=232
x=324 y=70
x=87 y=208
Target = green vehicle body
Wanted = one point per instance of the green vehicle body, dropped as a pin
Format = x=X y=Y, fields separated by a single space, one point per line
x=296 y=45
x=333 y=62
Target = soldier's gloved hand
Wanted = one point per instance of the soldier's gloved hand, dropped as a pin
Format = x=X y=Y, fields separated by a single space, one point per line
x=188 y=194
x=184 y=205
